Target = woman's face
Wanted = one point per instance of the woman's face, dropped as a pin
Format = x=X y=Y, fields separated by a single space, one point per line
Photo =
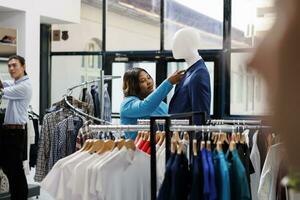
x=146 y=84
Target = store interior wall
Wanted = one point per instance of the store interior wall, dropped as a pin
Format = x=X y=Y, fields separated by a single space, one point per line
x=26 y=19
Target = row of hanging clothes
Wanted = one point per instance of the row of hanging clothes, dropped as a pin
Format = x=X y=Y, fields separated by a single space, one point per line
x=224 y=156
x=91 y=97
x=65 y=125
x=101 y=169
x=58 y=134
x=219 y=168
x=230 y=165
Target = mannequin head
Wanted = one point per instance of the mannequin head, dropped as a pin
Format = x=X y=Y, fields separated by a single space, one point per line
x=186 y=43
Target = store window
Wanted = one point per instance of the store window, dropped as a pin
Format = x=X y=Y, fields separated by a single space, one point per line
x=118 y=69
x=250 y=21
x=133 y=25
x=67 y=71
x=248 y=94
x=173 y=66
x=205 y=16
x=78 y=37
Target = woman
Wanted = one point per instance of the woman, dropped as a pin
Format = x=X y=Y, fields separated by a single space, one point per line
x=141 y=101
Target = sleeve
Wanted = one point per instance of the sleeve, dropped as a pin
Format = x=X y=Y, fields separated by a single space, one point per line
x=7 y=83
x=200 y=93
x=139 y=108
x=17 y=92
x=265 y=185
x=41 y=164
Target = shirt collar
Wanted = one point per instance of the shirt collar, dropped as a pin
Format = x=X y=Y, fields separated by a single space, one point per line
x=22 y=79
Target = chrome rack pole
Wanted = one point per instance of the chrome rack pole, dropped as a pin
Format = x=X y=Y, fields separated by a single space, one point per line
x=236 y=121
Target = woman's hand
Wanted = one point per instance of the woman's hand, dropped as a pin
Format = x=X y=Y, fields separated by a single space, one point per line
x=176 y=77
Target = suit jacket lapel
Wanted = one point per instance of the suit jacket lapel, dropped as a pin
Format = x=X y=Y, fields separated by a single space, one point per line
x=179 y=86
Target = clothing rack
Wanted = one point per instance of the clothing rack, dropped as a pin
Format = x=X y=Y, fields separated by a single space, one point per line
x=195 y=128
x=226 y=121
x=173 y=122
x=168 y=129
x=101 y=86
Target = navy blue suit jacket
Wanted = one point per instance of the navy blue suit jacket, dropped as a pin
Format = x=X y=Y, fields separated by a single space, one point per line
x=193 y=92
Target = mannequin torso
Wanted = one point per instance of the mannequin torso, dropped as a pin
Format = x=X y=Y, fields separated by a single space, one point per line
x=193 y=92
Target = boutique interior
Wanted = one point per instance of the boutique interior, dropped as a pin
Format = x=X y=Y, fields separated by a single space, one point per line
x=80 y=145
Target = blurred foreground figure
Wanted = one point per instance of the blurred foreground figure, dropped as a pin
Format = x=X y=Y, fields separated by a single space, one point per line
x=277 y=59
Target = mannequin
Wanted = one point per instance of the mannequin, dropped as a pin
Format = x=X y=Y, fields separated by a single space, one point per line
x=193 y=92
x=185 y=45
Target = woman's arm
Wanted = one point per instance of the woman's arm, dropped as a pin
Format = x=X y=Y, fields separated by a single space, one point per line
x=134 y=107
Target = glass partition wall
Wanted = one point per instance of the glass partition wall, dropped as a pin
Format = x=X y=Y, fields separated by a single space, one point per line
x=115 y=35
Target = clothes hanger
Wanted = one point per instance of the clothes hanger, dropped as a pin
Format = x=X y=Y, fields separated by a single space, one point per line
x=180 y=147
x=146 y=136
x=129 y=144
x=138 y=136
x=90 y=144
x=162 y=138
x=195 y=151
x=97 y=145
x=120 y=143
x=208 y=142
x=176 y=136
x=107 y=146
x=232 y=145
x=158 y=135
x=202 y=144
x=173 y=145
x=186 y=136
x=85 y=145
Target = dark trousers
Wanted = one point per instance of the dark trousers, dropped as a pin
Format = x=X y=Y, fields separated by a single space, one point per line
x=12 y=147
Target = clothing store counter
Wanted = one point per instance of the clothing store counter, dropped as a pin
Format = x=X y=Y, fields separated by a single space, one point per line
x=33 y=191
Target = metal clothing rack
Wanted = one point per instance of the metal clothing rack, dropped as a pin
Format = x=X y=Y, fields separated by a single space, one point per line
x=171 y=125
x=173 y=122
x=194 y=128
x=101 y=94
x=226 y=121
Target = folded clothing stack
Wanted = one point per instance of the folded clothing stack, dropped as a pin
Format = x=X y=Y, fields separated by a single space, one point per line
x=8 y=39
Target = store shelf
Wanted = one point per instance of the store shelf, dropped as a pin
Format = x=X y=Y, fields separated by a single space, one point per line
x=7 y=50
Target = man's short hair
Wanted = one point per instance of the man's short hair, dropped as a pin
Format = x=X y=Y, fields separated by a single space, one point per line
x=20 y=59
x=17 y=57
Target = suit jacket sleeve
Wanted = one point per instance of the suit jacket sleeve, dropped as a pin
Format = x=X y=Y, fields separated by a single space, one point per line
x=200 y=93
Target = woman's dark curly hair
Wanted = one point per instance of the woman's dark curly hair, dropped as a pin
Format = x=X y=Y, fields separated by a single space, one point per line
x=131 y=85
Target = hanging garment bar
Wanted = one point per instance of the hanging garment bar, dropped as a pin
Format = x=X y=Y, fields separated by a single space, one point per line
x=106 y=78
x=83 y=113
x=70 y=90
x=173 y=122
x=210 y=128
x=226 y=121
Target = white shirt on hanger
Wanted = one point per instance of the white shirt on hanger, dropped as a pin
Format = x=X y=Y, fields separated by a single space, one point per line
x=130 y=178
x=90 y=176
x=53 y=176
x=79 y=175
x=67 y=168
x=108 y=174
x=255 y=159
x=267 y=184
